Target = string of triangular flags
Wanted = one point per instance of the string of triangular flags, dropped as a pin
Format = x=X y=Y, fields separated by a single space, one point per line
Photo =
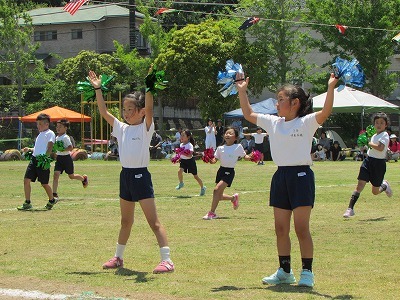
x=73 y=5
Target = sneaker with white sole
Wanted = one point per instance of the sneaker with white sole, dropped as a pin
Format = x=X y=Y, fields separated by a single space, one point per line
x=180 y=185
x=114 y=263
x=203 y=191
x=25 y=206
x=235 y=201
x=349 y=213
x=388 y=190
x=280 y=277
x=164 y=267
x=210 y=216
x=306 y=278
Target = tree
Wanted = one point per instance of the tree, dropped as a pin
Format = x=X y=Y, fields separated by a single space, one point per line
x=17 y=60
x=188 y=13
x=62 y=86
x=192 y=60
x=372 y=24
x=279 y=44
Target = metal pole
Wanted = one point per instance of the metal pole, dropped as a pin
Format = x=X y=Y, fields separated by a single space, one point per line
x=132 y=25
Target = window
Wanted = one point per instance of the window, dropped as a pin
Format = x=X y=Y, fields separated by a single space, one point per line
x=76 y=34
x=45 y=35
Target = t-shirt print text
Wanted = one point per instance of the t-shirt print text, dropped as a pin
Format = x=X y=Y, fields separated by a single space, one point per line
x=296 y=133
x=136 y=139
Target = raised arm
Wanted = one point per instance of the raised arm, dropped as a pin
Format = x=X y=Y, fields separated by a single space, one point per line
x=241 y=85
x=323 y=114
x=148 y=107
x=96 y=83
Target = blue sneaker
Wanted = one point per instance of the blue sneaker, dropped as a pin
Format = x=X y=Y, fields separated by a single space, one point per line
x=180 y=185
x=306 y=278
x=280 y=277
x=203 y=191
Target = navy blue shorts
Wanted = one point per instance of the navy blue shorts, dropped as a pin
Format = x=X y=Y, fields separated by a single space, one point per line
x=292 y=187
x=372 y=170
x=135 y=184
x=33 y=172
x=64 y=163
x=226 y=175
x=188 y=165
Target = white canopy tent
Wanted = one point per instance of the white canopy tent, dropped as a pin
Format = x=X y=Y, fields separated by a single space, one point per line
x=350 y=100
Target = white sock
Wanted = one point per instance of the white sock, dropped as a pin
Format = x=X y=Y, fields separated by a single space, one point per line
x=119 y=252
x=165 y=253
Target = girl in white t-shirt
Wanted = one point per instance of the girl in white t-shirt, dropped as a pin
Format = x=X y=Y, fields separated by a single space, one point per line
x=211 y=140
x=135 y=180
x=293 y=185
x=373 y=167
x=187 y=163
x=228 y=154
x=259 y=143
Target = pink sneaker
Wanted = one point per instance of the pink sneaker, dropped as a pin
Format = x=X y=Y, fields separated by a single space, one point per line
x=235 y=201
x=164 y=267
x=210 y=215
x=114 y=263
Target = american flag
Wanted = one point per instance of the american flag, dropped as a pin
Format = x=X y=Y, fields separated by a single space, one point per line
x=73 y=5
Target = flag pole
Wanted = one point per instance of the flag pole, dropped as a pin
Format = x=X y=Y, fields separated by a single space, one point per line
x=132 y=25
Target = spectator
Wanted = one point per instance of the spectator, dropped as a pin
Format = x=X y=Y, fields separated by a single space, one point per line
x=248 y=143
x=326 y=143
x=167 y=145
x=394 y=148
x=177 y=141
x=336 y=152
x=219 y=133
x=210 y=135
x=155 y=146
x=237 y=124
x=113 y=145
x=320 y=154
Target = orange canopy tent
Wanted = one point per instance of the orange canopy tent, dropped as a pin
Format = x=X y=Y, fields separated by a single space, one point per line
x=56 y=113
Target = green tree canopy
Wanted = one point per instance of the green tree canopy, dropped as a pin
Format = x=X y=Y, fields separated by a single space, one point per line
x=372 y=24
x=192 y=60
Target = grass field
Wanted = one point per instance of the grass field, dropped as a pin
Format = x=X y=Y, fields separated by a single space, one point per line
x=61 y=251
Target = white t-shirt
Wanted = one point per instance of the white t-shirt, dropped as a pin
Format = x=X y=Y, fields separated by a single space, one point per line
x=42 y=140
x=259 y=137
x=189 y=147
x=66 y=141
x=229 y=155
x=290 y=141
x=133 y=143
x=383 y=138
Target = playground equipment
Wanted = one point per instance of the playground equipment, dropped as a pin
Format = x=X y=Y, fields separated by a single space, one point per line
x=98 y=138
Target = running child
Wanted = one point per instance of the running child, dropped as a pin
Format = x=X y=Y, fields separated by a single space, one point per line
x=373 y=167
x=64 y=160
x=135 y=180
x=187 y=162
x=293 y=185
x=228 y=154
x=43 y=146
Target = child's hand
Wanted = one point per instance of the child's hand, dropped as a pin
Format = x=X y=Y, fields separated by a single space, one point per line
x=332 y=80
x=241 y=82
x=94 y=80
x=26 y=149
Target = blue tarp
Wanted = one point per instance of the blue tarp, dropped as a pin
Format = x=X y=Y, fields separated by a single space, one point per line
x=267 y=106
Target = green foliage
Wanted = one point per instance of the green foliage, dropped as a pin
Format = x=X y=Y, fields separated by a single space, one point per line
x=372 y=47
x=278 y=49
x=17 y=58
x=192 y=60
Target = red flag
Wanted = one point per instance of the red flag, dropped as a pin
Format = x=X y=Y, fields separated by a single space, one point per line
x=73 y=5
x=341 y=28
x=164 y=10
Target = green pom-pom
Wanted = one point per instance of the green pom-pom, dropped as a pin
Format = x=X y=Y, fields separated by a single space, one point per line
x=86 y=88
x=58 y=146
x=155 y=80
x=43 y=161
